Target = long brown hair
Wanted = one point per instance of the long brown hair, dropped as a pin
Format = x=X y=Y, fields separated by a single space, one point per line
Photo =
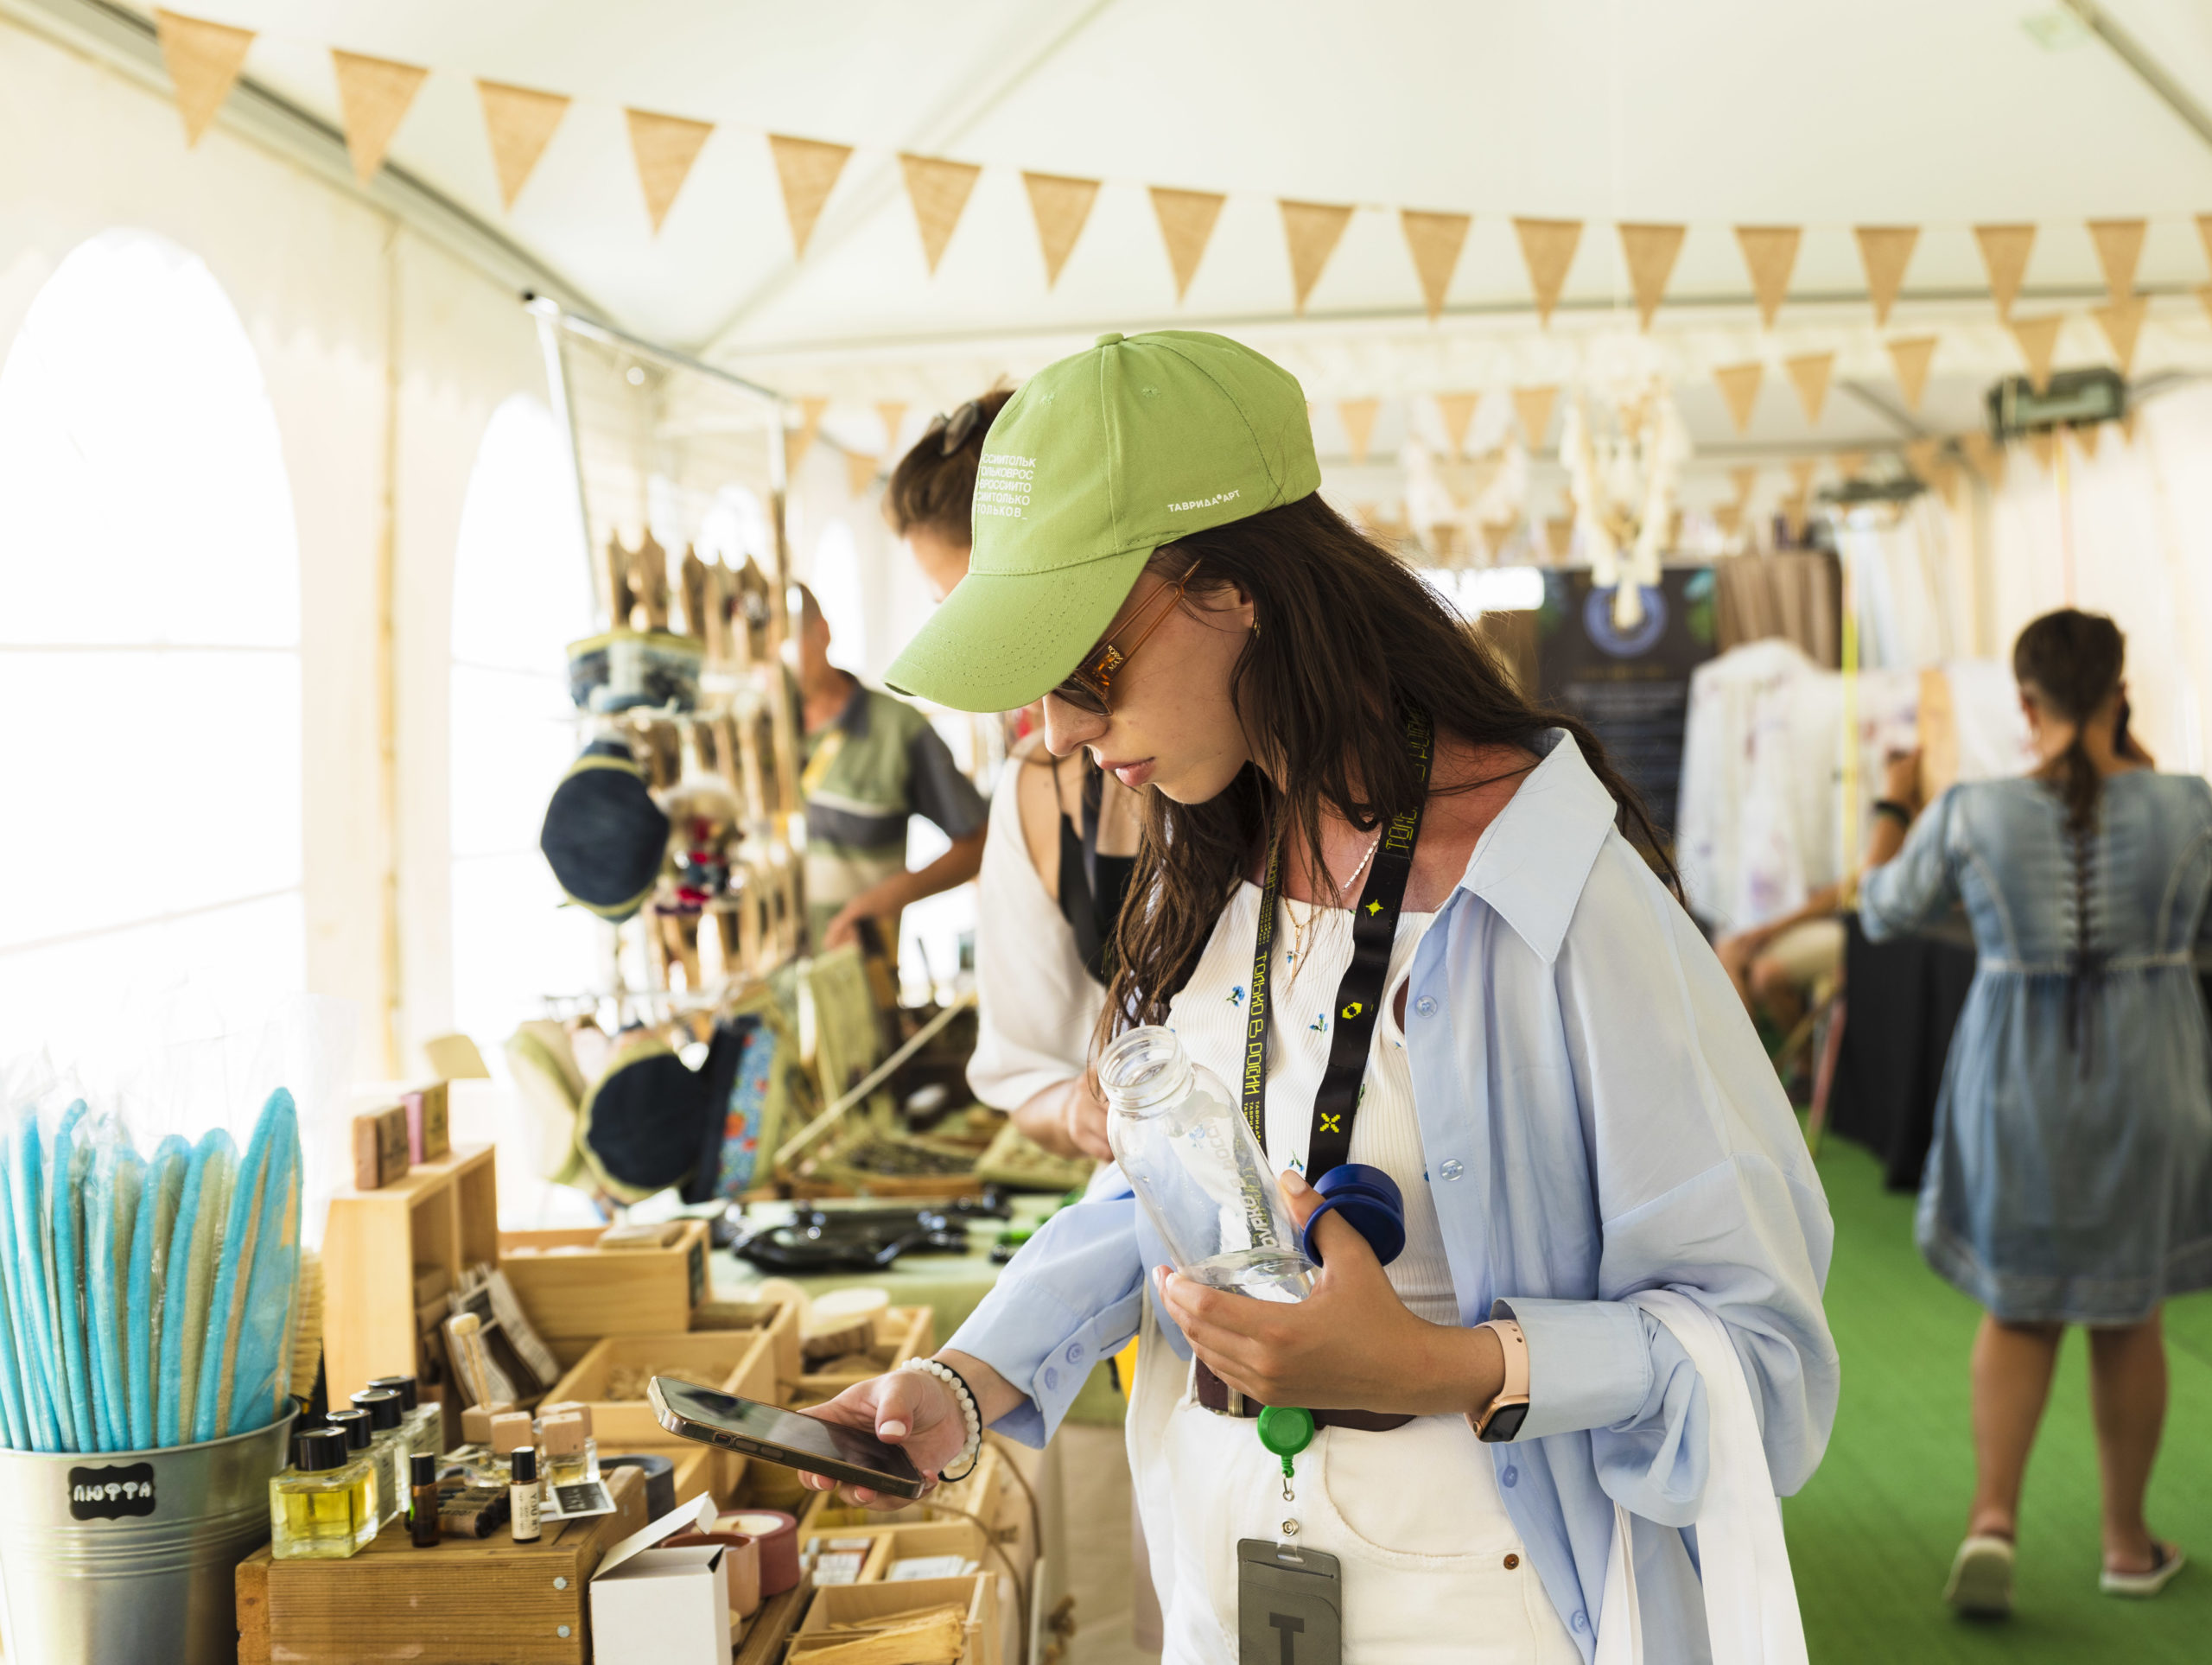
x=1346 y=638
x=934 y=485
x=2072 y=661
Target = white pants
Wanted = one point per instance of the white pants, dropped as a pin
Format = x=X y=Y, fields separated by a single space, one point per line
x=1432 y=1569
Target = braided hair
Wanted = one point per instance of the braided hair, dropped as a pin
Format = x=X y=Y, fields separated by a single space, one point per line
x=2070 y=662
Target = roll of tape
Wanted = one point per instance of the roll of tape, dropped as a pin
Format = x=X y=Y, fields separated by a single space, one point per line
x=660 y=1479
x=777 y=1534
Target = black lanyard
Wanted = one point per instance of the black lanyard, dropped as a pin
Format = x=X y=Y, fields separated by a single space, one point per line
x=1374 y=929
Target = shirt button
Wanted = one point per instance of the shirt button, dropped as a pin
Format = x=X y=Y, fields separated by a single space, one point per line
x=1581 y=1621
x=1511 y=1476
x=1075 y=1352
x=1051 y=1377
x=1426 y=1006
x=1450 y=1168
x=1512 y=1562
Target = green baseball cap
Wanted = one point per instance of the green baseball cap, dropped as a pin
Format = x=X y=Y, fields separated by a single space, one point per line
x=1097 y=461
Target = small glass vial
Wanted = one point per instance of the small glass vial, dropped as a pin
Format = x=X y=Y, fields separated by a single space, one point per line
x=475 y=1453
x=525 y=1495
x=383 y=1464
x=425 y=1423
x=388 y=1438
x=564 y=1439
x=324 y=1507
x=511 y=1431
x=422 y=1500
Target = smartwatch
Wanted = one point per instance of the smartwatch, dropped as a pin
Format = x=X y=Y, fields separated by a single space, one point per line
x=1501 y=1419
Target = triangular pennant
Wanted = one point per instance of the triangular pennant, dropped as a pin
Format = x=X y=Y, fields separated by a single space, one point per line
x=1651 y=252
x=939 y=190
x=1745 y=478
x=1728 y=516
x=2205 y=299
x=1186 y=220
x=519 y=120
x=2038 y=339
x=2204 y=233
x=1809 y=373
x=2119 y=248
x=2043 y=444
x=1435 y=241
x=859 y=473
x=2085 y=437
x=808 y=170
x=1559 y=537
x=1948 y=478
x=796 y=446
x=1851 y=464
x=1534 y=406
x=1923 y=457
x=1059 y=205
x=2127 y=428
x=1358 y=418
x=2122 y=323
x=1739 y=385
x=1548 y=246
x=893 y=412
x=1801 y=475
x=2005 y=252
x=203 y=60
x=1313 y=231
x=1771 y=253
x=664 y=148
x=1986 y=455
x=1885 y=252
x=1457 y=409
x=374 y=94
x=1910 y=359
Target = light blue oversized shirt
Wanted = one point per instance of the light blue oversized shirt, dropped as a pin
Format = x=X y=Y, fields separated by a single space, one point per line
x=1598 y=1118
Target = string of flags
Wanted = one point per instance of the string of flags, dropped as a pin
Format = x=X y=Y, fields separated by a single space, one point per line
x=204 y=60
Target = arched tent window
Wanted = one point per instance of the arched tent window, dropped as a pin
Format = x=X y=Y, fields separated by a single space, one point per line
x=520 y=596
x=149 y=652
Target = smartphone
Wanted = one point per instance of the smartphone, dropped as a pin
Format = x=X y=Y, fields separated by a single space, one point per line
x=805 y=1443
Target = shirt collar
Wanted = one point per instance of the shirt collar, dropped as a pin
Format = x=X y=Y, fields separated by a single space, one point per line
x=1531 y=863
x=854 y=718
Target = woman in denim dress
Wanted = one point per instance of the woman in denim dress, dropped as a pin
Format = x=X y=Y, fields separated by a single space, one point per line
x=2070 y=1181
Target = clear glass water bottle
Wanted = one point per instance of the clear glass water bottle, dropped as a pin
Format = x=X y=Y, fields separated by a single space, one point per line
x=1201 y=1178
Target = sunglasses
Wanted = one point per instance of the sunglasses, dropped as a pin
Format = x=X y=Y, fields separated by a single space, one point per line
x=1088 y=687
x=951 y=432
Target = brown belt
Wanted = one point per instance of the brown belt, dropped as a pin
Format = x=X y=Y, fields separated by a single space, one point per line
x=1218 y=1395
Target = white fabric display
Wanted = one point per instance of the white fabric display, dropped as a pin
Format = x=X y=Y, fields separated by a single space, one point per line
x=1751 y=1598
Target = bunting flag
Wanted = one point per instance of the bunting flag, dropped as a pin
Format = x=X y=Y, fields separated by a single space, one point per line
x=1435 y=241
x=1060 y=205
x=1548 y=246
x=519 y=122
x=1885 y=252
x=1745 y=478
x=1739 y=386
x=859 y=473
x=1728 y=516
x=373 y=95
x=2085 y=437
x=1358 y=418
x=664 y=146
x=1771 y=253
x=1851 y=464
x=1923 y=457
x=808 y=170
x=1910 y=358
x=1457 y=409
x=938 y=189
x=1651 y=252
x=2119 y=248
x=1534 y=406
x=2039 y=341
x=893 y=412
x=1810 y=374
x=1558 y=537
x=810 y=424
x=1313 y=231
x=2205 y=299
x=1986 y=455
x=2042 y=443
x=2122 y=323
x=1186 y=221
x=2005 y=253
x=203 y=60
x=2204 y=233
x=1801 y=476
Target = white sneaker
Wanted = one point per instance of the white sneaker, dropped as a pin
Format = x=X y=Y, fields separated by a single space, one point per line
x=2166 y=1561
x=1981 y=1577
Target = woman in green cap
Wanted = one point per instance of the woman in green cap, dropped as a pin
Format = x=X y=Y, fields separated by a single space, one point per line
x=1558 y=1077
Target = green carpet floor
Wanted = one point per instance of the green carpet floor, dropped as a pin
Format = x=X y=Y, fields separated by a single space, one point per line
x=1871 y=1536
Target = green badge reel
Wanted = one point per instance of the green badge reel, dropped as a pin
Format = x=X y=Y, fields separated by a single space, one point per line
x=1284 y=1431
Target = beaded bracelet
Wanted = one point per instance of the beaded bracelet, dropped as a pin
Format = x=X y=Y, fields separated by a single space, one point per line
x=972 y=1447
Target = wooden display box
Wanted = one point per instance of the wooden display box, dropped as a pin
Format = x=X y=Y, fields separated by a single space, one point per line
x=740 y=1361
x=701 y=1471
x=463 y=1603
x=575 y=1293
x=442 y=1217
x=901 y=1333
x=846 y=1612
x=899 y=1543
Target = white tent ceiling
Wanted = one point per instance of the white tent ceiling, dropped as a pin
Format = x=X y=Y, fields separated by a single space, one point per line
x=1939 y=113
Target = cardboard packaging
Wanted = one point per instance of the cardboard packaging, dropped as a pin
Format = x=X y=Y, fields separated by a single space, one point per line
x=654 y=1606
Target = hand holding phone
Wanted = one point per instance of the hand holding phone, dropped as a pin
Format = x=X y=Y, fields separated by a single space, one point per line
x=813 y=1444
x=910 y=1409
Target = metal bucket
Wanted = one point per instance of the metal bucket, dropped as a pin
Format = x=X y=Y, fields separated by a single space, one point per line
x=117 y=1558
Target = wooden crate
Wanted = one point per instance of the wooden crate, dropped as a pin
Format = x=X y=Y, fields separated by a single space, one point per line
x=981 y=1494
x=901 y=1333
x=940 y=1537
x=443 y=1215
x=576 y=1292
x=880 y=1604
x=768 y=1631
x=783 y=1329
x=461 y=1604
x=740 y=1361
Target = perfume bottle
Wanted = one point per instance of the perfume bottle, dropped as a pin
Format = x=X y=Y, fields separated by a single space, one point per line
x=425 y=1423
x=473 y=1455
x=523 y=1493
x=324 y=1507
x=511 y=1431
x=383 y=1463
x=565 y=1443
x=423 y=1527
x=387 y=1430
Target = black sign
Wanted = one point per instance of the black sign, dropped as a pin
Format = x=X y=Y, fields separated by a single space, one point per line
x=111 y=1492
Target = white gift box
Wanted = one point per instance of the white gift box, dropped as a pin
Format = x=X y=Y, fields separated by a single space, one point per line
x=653 y=1605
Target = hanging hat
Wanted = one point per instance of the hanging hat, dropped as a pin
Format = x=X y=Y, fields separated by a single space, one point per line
x=604 y=834
x=642 y=1123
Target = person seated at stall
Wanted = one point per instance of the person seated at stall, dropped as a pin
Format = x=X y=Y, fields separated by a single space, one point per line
x=1776 y=967
x=872 y=762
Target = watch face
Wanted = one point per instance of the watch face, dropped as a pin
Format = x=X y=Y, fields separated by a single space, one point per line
x=1504 y=1423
